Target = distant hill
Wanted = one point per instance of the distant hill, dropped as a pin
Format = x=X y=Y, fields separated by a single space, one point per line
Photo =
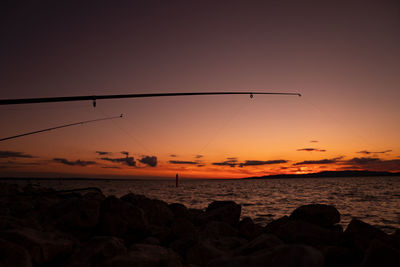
x=327 y=174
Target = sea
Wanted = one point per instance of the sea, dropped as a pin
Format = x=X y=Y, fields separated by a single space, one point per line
x=375 y=200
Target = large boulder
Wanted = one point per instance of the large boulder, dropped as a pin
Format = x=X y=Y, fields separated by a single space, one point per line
x=306 y=233
x=147 y=256
x=248 y=229
x=361 y=234
x=122 y=219
x=319 y=214
x=381 y=254
x=214 y=229
x=182 y=228
x=43 y=247
x=95 y=251
x=263 y=243
x=223 y=211
x=180 y=211
x=156 y=211
x=203 y=252
x=14 y=255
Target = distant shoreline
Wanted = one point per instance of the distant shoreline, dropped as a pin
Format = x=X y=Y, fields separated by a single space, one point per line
x=328 y=174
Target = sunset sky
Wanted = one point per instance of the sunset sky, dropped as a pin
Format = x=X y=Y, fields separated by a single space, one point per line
x=342 y=56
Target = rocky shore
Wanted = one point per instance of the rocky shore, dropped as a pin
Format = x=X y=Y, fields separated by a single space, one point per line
x=43 y=227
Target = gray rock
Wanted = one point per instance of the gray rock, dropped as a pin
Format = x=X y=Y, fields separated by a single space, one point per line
x=319 y=214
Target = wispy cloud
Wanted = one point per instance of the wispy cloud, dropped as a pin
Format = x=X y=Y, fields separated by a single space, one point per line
x=261 y=162
x=78 y=162
x=314 y=141
x=366 y=152
x=173 y=156
x=322 y=161
x=102 y=153
x=13 y=154
x=231 y=162
x=198 y=156
x=183 y=162
x=311 y=150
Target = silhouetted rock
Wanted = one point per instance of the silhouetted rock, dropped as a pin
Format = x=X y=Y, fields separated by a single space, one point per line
x=361 y=234
x=248 y=229
x=203 y=252
x=224 y=211
x=338 y=256
x=180 y=211
x=381 y=254
x=121 y=219
x=319 y=214
x=14 y=255
x=182 y=228
x=147 y=256
x=214 y=229
x=43 y=247
x=261 y=243
x=305 y=233
x=156 y=211
x=96 y=251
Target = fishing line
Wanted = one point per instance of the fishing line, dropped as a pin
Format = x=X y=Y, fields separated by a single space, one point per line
x=127 y=133
x=339 y=122
x=58 y=127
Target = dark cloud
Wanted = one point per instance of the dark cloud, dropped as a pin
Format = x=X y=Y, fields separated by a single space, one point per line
x=375 y=164
x=371 y=152
x=102 y=153
x=74 y=163
x=183 y=162
x=201 y=165
x=231 y=162
x=13 y=154
x=311 y=149
x=127 y=160
x=314 y=141
x=125 y=153
x=322 y=161
x=362 y=161
x=149 y=160
x=111 y=167
x=173 y=156
x=199 y=156
x=260 y=162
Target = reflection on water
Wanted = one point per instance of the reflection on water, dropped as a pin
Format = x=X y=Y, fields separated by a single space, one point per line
x=374 y=200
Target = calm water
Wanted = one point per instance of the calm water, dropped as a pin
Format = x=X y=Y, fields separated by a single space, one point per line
x=374 y=200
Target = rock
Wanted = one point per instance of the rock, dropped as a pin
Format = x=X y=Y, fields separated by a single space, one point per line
x=203 y=252
x=361 y=234
x=306 y=233
x=162 y=233
x=381 y=254
x=182 y=228
x=14 y=255
x=227 y=243
x=121 y=219
x=95 y=251
x=261 y=243
x=248 y=229
x=275 y=225
x=214 y=229
x=180 y=211
x=339 y=256
x=43 y=247
x=147 y=256
x=223 y=211
x=282 y=256
x=319 y=214
x=75 y=216
x=156 y=211
x=293 y=255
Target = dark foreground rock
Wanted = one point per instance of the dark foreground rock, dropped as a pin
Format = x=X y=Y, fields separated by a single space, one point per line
x=44 y=227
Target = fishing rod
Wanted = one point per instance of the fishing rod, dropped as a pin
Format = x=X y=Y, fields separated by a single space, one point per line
x=58 y=127
x=96 y=97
